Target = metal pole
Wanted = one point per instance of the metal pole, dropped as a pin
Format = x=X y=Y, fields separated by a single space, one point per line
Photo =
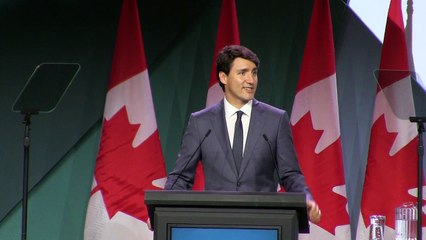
x=27 y=122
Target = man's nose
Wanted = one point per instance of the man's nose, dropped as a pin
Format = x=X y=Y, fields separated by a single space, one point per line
x=250 y=78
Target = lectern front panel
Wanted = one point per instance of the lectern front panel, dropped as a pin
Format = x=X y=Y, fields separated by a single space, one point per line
x=228 y=223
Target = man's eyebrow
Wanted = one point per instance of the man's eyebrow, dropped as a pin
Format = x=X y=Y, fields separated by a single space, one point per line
x=247 y=69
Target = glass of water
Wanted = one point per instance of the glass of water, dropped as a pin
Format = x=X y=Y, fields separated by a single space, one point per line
x=377 y=225
x=406 y=222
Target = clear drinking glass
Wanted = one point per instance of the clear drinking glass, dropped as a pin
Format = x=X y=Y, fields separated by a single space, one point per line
x=377 y=227
x=406 y=222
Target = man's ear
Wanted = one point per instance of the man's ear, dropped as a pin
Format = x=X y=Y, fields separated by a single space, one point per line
x=223 y=78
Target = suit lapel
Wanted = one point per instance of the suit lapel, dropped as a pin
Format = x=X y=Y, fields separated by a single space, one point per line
x=254 y=134
x=221 y=132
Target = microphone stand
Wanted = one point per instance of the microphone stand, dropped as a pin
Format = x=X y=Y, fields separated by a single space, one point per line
x=27 y=122
x=420 y=152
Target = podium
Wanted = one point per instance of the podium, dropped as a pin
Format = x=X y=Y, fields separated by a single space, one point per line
x=177 y=215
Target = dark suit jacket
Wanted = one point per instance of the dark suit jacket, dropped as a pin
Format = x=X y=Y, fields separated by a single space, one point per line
x=259 y=161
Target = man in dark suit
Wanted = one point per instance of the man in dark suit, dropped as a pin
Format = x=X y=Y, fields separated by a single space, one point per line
x=240 y=151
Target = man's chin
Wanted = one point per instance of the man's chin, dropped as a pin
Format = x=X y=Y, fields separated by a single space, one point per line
x=247 y=99
x=249 y=96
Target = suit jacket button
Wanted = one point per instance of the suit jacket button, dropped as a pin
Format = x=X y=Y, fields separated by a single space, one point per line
x=238 y=184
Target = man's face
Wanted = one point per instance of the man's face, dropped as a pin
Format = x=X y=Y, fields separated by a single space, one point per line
x=240 y=83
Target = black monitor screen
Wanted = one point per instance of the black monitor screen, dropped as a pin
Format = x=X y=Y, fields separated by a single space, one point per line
x=220 y=233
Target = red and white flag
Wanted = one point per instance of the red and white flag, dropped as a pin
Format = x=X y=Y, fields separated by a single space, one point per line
x=390 y=178
x=316 y=128
x=227 y=34
x=130 y=159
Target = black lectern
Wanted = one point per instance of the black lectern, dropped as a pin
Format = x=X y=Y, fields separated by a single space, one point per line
x=177 y=215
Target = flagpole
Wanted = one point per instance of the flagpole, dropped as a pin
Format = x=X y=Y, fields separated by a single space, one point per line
x=409 y=34
x=419 y=120
x=420 y=151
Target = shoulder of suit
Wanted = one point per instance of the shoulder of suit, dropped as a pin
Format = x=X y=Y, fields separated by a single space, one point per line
x=216 y=108
x=257 y=106
x=267 y=107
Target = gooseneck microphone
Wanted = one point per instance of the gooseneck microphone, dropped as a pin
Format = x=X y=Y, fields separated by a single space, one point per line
x=273 y=157
x=189 y=160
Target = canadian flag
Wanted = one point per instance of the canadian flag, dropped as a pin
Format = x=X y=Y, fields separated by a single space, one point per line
x=390 y=178
x=130 y=159
x=316 y=128
x=227 y=35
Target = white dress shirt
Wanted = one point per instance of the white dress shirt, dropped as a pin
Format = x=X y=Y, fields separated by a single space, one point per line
x=231 y=117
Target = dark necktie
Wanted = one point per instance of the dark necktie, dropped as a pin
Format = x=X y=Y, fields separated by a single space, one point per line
x=237 y=146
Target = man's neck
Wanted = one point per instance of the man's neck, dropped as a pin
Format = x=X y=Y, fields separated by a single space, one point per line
x=246 y=106
x=238 y=104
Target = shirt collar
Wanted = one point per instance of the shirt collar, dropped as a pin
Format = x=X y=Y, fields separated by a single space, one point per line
x=230 y=110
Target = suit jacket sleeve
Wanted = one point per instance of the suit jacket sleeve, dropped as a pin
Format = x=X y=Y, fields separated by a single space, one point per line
x=182 y=177
x=289 y=170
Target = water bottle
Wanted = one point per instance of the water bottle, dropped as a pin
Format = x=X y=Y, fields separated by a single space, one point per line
x=406 y=222
x=377 y=227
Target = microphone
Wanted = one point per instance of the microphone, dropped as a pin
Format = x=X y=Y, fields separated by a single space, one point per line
x=417 y=119
x=273 y=156
x=189 y=160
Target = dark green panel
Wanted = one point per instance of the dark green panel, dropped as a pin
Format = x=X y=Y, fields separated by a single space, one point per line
x=276 y=31
x=68 y=31
x=33 y=32
x=57 y=205
x=180 y=79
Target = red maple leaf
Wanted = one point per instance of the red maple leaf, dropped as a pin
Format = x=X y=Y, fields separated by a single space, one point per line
x=122 y=172
x=388 y=178
x=322 y=173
